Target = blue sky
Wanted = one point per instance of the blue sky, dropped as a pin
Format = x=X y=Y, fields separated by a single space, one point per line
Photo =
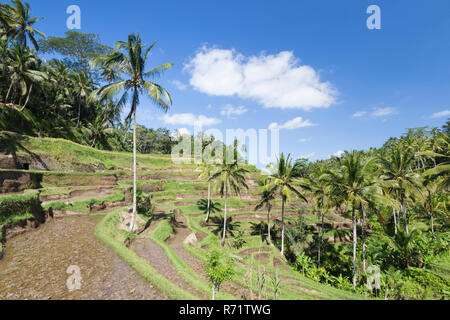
x=352 y=87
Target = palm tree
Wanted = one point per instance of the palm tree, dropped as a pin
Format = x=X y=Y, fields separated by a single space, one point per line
x=267 y=193
x=283 y=178
x=320 y=191
x=397 y=169
x=82 y=86
x=23 y=69
x=350 y=182
x=130 y=60
x=229 y=177
x=433 y=198
x=19 y=23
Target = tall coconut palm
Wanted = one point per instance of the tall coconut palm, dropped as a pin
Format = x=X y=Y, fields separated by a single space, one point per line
x=229 y=177
x=267 y=192
x=82 y=86
x=23 y=70
x=19 y=23
x=320 y=192
x=129 y=59
x=397 y=168
x=434 y=198
x=350 y=182
x=284 y=178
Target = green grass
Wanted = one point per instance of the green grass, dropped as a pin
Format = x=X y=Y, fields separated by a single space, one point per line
x=106 y=231
x=159 y=236
x=82 y=206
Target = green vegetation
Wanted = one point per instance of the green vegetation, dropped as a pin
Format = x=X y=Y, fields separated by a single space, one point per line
x=218 y=270
x=15 y=208
x=106 y=230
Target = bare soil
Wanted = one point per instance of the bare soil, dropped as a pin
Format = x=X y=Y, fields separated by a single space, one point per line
x=35 y=264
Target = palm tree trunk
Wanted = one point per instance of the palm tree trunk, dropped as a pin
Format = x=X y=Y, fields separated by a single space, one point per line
x=79 y=112
x=432 y=221
x=405 y=219
x=268 y=227
x=363 y=230
x=225 y=216
x=321 y=239
x=354 y=248
x=209 y=201
x=395 y=220
x=28 y=98
x=282 y=226
x=94 y=140
x=9 y=91
x=133 y=218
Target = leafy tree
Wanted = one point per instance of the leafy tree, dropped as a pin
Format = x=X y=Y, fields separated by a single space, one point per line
x=77 y=48
x=218 y=269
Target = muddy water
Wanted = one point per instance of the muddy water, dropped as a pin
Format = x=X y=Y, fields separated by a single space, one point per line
x=35 y=265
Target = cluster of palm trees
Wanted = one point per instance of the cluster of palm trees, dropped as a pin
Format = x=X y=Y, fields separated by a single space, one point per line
x=71 y=98
x=402 y=180
x=51 y=91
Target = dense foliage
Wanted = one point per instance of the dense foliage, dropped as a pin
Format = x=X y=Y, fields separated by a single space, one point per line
x=54 y=98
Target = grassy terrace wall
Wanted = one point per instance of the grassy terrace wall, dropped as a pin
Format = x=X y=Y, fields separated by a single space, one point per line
x=64 y=155
x=17 y=181
x=15 y=209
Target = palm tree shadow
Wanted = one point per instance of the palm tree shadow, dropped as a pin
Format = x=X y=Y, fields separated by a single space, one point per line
x=10 y=144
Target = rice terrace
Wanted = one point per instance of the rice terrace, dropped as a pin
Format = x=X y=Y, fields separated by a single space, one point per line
x=99 y=203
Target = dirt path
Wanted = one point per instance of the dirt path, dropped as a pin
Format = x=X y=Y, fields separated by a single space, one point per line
x=156 y=257
x=35 y=264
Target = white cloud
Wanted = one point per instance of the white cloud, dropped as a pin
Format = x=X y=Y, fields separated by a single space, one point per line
x=275 y=81
x=292 y=124
x=189 y=119
x=308 y=156
x=381 y=112
x=231 y=111
x=359 y=114
x=304 y=140
x=180 y=85
x=338 y=154
x=441 y=114
x=180 y=132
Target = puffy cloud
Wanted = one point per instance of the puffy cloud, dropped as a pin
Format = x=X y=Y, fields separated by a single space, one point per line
x=338 y=154
x=180 y=132
x=231 y=111
x=275 y=81
x=189 y=119
x=292 y=124
x=381 y=112
x=308 y=156
x=441 y=114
